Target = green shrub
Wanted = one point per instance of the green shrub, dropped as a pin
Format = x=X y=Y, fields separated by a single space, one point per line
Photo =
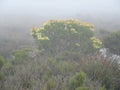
x=102 y=88
x=8 y=65
x=1 y=61
x=77 y=80
x=112 y=42
x=2 y=76
x=1 y=65
x=8 y=68
x=81 y=88
x=57 y=36
x=102 y=69
x=20 y=56
x=50 y=84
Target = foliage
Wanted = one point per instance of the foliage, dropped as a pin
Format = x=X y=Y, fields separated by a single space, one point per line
x=67 y=41
x=102 y=69
x=50 y=84
x=102 y=88
x=51 y=73
x=1 y=61
x=77 y=80
x=2 y=76
x=1 y=65
x=112 y=42
x=58 y=36
x=81 y=88
x=20 y=56
x=8 y=68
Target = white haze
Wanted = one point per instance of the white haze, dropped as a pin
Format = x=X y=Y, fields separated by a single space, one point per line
x=104 y=14
x=17 y=17
x=58 y=8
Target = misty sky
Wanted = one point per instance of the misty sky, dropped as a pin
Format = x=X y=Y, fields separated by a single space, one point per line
x=59 y=7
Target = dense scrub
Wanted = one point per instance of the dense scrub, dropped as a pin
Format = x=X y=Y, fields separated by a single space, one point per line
x=48 y=73
x=112 y=42
x=65 y=60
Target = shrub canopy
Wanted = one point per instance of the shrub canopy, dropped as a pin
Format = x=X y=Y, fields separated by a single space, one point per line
x=58 y=36
x=112 y=42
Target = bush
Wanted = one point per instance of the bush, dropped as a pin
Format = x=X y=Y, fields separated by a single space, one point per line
x=77 y=81
x=102 y=69
x=112 y=42
x=81 y=88
x=50 y=84
x=8 y=68
x=58 y=36
x=1 y=65
x=20 y=56
x=1 y=61
x=2 y=76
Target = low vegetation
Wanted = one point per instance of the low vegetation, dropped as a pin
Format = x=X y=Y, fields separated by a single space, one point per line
x=112 y=42
x=67 y=58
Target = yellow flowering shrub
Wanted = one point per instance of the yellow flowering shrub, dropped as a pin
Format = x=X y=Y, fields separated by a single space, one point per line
x=57 y=36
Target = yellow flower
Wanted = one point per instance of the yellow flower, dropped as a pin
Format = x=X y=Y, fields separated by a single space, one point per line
x=77 y=44
x=73 y=30
x=96 y=42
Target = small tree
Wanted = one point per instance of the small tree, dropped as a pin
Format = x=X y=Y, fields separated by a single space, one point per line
x=58 y=36
x=112 y=42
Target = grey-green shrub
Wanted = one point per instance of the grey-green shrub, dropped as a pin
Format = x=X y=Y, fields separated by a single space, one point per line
x=77 y=80
x=1 y=61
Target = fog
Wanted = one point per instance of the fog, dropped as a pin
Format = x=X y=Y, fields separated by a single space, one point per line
x=35 y=11
x=58 y=8
x=63 y=56
x=17 y=17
